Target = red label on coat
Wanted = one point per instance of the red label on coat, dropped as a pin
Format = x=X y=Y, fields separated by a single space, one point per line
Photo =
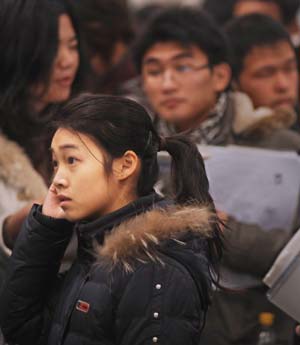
x=82 y=306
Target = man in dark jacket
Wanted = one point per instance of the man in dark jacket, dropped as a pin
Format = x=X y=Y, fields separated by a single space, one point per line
x=185 y=72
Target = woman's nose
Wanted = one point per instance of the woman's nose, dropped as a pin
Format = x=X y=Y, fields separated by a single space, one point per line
x=66 y=57
x=60 y=181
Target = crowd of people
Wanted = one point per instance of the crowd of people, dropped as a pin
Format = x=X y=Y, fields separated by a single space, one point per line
x=97 y=245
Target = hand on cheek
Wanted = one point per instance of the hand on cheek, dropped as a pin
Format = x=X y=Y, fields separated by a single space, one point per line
x=51 y=206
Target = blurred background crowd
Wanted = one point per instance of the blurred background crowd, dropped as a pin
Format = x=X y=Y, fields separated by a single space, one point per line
x=221 y=71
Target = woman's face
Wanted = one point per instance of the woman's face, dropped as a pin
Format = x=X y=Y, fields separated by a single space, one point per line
x=82 y=185
x=65 y=64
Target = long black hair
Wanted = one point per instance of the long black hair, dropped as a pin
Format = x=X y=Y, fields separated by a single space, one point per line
x=103 y=24
x=28 y=45
x=119 y=124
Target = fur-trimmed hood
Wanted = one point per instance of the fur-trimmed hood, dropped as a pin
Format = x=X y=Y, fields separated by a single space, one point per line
x=139 y=238
x=16 y=171
x=263 y=120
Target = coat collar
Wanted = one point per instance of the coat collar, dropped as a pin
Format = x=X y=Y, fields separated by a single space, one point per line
x=137 y=231
x=90 y=233
x=141 y=238
x=100 y=226
x=263 y=120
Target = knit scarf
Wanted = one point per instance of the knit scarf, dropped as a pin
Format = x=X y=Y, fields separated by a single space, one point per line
x=211 y=131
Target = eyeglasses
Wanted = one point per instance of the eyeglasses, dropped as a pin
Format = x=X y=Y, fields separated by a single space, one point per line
x=179 y=70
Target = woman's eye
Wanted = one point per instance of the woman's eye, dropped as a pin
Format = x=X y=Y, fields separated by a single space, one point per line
x=73 y=46
x=71 y=160
x=54 y=164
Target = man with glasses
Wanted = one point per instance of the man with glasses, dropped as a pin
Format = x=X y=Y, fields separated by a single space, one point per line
x=184 y=63
x=184 y=69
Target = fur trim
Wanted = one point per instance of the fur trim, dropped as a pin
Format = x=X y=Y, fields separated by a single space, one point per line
x=16 y=171
x=137 y=238
x=261 y=120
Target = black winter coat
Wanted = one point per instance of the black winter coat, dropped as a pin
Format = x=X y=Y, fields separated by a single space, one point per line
x=148 y=282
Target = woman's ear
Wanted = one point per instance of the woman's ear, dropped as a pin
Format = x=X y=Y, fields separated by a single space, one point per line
x=126 y=166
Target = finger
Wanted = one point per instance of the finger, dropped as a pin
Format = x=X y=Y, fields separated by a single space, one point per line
x=298 y=330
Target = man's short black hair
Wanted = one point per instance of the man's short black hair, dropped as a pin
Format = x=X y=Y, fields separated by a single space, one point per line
x=250 y=31
x=289 y=9
x=186 y=26
x=224 y=12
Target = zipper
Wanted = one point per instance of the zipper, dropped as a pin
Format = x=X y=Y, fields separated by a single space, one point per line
x=68 y=314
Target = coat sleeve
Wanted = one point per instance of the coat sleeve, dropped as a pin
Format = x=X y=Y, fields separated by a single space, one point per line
x=25 y=311
x=251 y=249
x=160 y=305
x=9 y=204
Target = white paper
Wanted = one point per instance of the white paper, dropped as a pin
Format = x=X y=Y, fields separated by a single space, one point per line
x=284 y=260
x=254 y=185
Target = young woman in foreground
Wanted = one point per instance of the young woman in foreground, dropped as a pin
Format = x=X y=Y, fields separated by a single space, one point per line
x=145 y=265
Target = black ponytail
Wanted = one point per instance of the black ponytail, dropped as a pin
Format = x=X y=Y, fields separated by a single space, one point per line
x=191 y=185
x=189 y=178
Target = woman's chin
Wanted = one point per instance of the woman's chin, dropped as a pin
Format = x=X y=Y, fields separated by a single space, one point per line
x=71 y=217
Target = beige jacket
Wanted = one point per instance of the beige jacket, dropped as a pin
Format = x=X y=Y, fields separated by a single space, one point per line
x=19 y=182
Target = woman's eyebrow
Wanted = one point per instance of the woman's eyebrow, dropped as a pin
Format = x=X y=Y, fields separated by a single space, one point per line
x=66 y=147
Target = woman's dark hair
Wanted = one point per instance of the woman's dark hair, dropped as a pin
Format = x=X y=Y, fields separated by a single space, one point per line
x=28 y=45
x=119 y=124
x=144 y=14
x=185 y=26
x=222 y=14
x=103 y=23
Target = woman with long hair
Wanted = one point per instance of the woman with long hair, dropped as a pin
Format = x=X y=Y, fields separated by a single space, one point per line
x=145 y=264
x=39 y=66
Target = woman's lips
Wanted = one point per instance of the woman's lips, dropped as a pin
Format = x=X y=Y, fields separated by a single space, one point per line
x=63 y=200
x=65 y=82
